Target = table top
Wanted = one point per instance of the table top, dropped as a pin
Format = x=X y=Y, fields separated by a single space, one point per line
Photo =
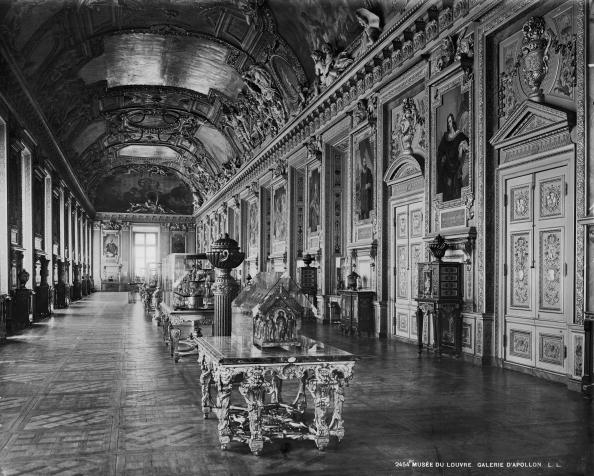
x=240 y=350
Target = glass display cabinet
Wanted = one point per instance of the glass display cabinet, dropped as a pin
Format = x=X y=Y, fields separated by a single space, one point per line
x=272 y=308
x=187 y=306
x=187 y=281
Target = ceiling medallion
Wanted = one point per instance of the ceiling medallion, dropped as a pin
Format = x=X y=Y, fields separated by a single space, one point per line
x=166 y=124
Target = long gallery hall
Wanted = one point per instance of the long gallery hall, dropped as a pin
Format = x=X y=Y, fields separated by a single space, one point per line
x=296 y=237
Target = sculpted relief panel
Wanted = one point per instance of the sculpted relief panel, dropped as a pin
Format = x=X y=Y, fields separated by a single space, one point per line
x=541 y=55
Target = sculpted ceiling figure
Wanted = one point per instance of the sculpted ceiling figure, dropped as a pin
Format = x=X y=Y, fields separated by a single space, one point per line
x=371 y=28
x=328 y=65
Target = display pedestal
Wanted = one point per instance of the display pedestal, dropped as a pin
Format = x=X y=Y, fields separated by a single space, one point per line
x=356 y=313
x=225 y=289
x=440 y=297
x=322 y=371
x=22 y=309
x=62 y=288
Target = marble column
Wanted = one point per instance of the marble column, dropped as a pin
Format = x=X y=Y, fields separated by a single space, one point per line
x=224 y=256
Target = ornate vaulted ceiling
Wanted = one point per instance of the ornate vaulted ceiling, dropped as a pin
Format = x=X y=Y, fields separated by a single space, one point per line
x=193 y=87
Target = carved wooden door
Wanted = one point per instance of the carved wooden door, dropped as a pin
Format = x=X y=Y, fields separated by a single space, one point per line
x=538 y=292
x=408 y=252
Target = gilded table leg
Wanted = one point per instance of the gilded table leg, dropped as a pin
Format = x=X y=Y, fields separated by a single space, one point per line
x=224 y=386
x=205 y=379
x=337 y=423
x=253 y=388
x=300 y=402
x=320 y=390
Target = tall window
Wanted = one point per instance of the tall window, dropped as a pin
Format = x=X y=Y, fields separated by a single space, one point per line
x=145 y=252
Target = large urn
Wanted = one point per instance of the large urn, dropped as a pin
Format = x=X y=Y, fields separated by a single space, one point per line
x=535 y=54
x=224 y=256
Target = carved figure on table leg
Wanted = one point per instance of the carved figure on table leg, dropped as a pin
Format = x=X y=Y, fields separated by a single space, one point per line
x=205 y=379
x=276 y=389
x=337 y=423
x=223 y=378
x=252 y=388
x=300 y=402
x=320 y=388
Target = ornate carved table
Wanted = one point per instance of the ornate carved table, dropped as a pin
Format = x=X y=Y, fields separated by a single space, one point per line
x=319 y=369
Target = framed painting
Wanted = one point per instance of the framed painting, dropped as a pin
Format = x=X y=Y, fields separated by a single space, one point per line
x=363 y=175
x=313 y=200
x=178 y=242
x=279 y=215
x=253 y=228
x=452 y=164
x=111 y=246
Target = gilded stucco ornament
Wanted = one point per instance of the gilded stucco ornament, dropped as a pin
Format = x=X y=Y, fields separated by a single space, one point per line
x=328 y=66
x=314 y=148
x=446 y=53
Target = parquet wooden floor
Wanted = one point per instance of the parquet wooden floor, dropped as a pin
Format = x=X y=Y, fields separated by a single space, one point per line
x=93 y=391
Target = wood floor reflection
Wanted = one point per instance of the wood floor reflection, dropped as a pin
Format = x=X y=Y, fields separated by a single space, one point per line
x=93 y=390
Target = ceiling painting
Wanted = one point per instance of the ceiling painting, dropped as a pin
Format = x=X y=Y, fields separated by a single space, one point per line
x=143 y=191
x=193 y=87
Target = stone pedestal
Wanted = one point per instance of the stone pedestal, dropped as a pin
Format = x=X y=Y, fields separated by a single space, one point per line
x=43 y=292
x=76 y=284
x=62 y=300
x=225 y=289
x=224 y=256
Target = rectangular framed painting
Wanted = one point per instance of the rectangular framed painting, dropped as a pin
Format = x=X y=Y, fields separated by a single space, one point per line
x=363 y=167
x=253 y=229
x=279 y=217
x=452 y=164
x=178 y=242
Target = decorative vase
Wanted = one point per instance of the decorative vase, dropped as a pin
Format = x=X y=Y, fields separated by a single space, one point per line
x=535 y=54
x=438 y=247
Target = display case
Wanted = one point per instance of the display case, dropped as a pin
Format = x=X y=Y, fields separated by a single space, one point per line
x=187 y=281
x=440 y=296
x=356 y=313
x=273 y=307
x=187 y=306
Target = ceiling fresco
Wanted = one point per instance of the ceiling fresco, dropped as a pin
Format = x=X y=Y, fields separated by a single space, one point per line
x=141 y=189
x=194 y=87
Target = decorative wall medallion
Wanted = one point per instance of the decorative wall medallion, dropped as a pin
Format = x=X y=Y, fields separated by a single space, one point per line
x=550 y=269
x=578 y=355
x=402 y=272
x=402 y=322
x=520 y=269
x=416 y=220
x=551 y=349
x=402 y=231
x=460 y=8
x=520 y=344
x=521 y=206
x=551 y=201
x=445 y=18
x=415 y=259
